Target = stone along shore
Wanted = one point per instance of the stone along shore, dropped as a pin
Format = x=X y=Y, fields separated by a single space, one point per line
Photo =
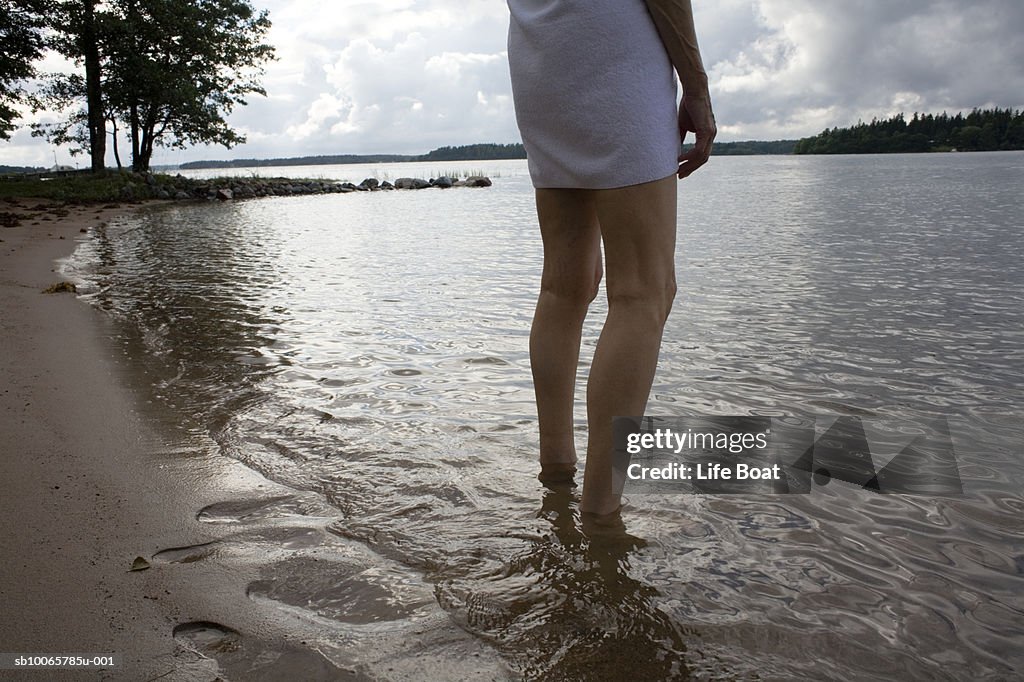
x=178 y=187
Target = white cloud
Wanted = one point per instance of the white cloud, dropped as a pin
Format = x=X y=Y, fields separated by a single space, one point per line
x=384 y=78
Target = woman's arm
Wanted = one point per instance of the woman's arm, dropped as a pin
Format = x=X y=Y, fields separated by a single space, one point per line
x=674 y=21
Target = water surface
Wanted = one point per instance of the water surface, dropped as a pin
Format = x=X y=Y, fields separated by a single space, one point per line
x=370 y=351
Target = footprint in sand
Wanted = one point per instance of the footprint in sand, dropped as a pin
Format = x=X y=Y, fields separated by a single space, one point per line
x=250 y=659
x=249 y=511
x=186 y=555
x=208 y=638
x=269 y=508
x=349 y=590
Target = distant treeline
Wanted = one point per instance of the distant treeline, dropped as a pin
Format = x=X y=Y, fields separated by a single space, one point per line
x=982 y=130
x=475 y=152
x=6 y=170
x=299 y=161
x=471 y=152
x=750 y=148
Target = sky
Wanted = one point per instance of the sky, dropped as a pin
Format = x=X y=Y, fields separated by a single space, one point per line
x=408 y=76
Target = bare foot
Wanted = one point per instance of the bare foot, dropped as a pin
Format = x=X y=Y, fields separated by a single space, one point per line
x=600 y=504
x=556 y=473
x=594 y=521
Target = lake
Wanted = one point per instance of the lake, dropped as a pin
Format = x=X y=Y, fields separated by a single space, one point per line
x=369 y=351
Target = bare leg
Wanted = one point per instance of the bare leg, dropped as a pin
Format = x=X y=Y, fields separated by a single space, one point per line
x=638 y=226
x=572 y=272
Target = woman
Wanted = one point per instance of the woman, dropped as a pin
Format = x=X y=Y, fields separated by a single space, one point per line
x=595 y=99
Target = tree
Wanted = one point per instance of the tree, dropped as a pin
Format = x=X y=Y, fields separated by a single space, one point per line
x=21 y=44
x=179 y=67
x=170 y=71
x=969 y=138
x=76 y=33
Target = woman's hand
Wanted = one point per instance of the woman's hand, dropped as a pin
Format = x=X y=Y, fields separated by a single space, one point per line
x=696 y=116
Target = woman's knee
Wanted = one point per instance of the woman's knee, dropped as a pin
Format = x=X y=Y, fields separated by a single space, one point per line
x=654 y=299
x=579 y=290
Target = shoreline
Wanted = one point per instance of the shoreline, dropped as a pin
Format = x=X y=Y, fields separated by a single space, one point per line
x=96 y=476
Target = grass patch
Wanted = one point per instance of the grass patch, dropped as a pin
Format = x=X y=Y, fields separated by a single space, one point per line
x=462 y=174
x=77 y=188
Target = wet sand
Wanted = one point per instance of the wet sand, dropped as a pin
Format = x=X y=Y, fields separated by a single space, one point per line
x=94 y=476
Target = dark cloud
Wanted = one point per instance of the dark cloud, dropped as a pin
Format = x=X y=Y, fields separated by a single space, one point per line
x=816 y=63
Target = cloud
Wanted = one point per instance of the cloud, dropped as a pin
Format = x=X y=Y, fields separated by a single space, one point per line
x=407 y=76
x=401 y=77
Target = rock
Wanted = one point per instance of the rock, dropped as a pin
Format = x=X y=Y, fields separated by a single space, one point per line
x=411 y=183
x=369 y=183
x=61 y=288
x=386 y=185
x=444 y=182
x=127 y=192
x=478 y=181
x=181 y=195
x=225 y=194
x=163 y=194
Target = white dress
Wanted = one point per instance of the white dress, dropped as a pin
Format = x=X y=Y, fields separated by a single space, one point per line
x=594 y=93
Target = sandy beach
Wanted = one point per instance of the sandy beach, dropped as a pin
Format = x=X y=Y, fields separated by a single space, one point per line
x=95 y=477
x=79 y=504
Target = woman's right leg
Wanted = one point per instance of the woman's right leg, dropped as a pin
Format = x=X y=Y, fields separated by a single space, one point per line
x=638 y=227
x=572 y=272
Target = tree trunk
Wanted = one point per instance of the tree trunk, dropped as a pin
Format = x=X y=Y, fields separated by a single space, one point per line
x=134 y=115
x=93 y=91
x=148 y=139
x=117 y=155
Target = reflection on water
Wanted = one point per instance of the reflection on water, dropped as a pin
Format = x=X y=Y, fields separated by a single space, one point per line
x=371 y=350
x=565 y=607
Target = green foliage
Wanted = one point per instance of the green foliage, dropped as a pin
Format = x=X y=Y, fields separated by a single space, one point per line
x=21 y=44
x=980 y=130
x=64 y=90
